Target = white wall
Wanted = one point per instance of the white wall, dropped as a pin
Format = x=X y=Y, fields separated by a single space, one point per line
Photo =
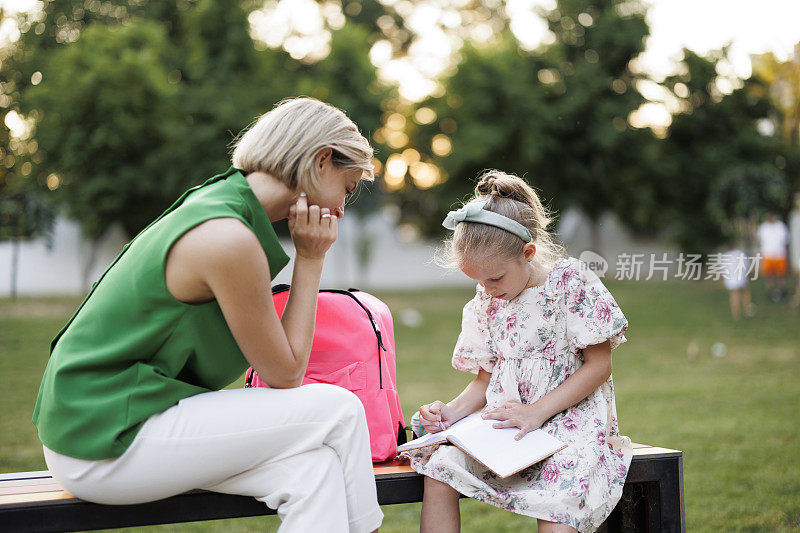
x=58 y=269
x=614 y=240
x=395 y=263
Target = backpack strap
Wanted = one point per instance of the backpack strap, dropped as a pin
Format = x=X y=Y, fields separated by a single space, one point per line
x=279 y=288
x=283 y=287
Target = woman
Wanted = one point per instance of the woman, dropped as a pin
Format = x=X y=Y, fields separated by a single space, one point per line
x=129 y=408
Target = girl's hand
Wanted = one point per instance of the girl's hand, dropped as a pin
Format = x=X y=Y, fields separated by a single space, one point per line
x=313 y=229
x=514 y=414
x=436 y=416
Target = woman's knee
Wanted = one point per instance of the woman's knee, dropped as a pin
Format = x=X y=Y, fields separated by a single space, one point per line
x=314 y=466
x=338 y=399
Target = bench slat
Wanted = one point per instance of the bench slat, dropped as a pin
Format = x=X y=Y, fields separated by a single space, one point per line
x=25 y=482
x=13 y=499
x=25 y=475
x=31 y=489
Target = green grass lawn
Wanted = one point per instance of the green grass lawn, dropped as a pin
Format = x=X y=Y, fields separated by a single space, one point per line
x=735 y=417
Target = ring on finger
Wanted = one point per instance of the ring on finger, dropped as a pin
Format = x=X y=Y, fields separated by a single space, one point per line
x=326 y=215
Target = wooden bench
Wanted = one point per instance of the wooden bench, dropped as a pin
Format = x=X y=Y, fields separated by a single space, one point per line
x=33 y=501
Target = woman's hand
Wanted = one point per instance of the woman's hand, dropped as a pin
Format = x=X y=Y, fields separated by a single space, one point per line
x=514 y=414
x=436 y=416
x=313 y=229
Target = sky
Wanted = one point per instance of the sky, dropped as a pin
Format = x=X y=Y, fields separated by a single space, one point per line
x=753 y=26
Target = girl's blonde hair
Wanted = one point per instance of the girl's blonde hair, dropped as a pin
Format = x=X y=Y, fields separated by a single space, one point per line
x=285 y=141
x=511 y=197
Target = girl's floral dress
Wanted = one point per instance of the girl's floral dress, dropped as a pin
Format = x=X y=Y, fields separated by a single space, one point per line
x=531 y=345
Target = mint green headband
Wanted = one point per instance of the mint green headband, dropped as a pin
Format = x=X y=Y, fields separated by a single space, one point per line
x=474 y=212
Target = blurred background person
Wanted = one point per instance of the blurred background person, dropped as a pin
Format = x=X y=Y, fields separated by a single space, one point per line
x=773 y=238
x=735 y=266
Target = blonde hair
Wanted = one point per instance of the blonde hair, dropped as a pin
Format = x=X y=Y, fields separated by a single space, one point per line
x=511 y=197
x=285 y=141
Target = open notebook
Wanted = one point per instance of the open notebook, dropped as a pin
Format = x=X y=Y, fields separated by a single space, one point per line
x=495 y=448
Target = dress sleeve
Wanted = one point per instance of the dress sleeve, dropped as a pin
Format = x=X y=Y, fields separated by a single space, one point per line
x=472 y=350
x=593 y=315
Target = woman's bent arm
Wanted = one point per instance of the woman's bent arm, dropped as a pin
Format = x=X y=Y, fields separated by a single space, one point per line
x=222 y=259
x=312 y=235
x=225 y=258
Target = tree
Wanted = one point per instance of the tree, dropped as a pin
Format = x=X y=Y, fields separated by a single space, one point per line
x=714 y=134
x=743 y=195
x=782 y=80
x=557 y=115
x=23 y=214
x=106 y=111
x=134 y=104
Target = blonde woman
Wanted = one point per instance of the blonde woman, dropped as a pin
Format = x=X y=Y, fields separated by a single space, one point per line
x=130 y=410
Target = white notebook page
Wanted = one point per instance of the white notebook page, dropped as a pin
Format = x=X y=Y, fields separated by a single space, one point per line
x=494 y=447
x=498 y=450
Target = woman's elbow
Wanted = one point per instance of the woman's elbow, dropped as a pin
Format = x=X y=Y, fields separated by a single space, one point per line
x=285 y=381
x=280 y=376
x=286 y=384
x=290 y=378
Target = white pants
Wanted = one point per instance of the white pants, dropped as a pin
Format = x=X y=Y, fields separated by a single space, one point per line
x=304 y=452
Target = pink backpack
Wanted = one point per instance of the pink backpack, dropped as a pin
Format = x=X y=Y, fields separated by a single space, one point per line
x=354 y=348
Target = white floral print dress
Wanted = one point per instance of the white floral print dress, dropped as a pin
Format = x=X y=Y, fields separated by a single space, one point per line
x=531 y=345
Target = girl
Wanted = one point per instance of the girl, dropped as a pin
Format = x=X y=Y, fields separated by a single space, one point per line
x=538 y=334
x=130 y=410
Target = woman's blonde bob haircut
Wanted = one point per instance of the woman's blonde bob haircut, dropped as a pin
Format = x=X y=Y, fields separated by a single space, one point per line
x=285 y=141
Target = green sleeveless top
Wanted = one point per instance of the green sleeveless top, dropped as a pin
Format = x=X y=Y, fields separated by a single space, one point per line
x=132 y=350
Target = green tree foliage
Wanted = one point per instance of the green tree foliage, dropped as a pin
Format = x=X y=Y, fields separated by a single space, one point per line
x=23 y=215
x=346 y=78
x=557 y=116
x=781 y=82
x=560 y=117
x=782 y=79
x=743 y=195
x=135 y=103
x=106 y=114
x=715 y=134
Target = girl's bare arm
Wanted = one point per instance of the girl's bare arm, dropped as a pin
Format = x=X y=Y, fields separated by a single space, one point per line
x=472 y=398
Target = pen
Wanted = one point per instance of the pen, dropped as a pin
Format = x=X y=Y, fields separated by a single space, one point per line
x=441 y=426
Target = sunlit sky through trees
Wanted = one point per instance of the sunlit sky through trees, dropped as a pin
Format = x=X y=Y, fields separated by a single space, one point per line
x=301 y=27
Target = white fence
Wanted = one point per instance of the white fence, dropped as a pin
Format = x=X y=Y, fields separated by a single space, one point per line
x=72 y=263
x=396 y=261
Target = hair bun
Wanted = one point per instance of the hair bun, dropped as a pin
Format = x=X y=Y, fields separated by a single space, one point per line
x=501 y=185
